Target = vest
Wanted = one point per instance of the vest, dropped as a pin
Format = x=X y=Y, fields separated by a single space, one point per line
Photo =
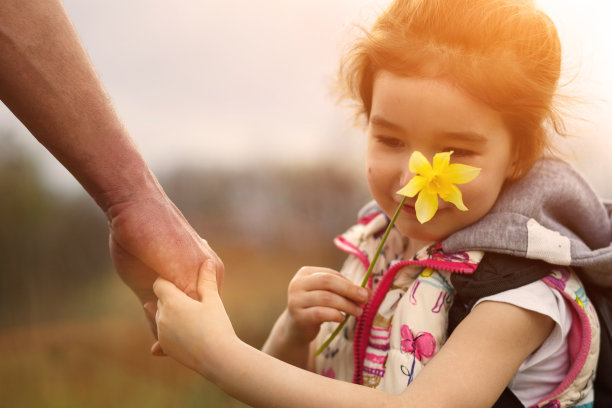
x=407 y=319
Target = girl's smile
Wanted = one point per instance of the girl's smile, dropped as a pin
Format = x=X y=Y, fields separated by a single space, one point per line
x=409 y=208
x=433 y=115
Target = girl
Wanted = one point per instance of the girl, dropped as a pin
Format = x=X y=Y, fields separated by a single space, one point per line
x=470 y=309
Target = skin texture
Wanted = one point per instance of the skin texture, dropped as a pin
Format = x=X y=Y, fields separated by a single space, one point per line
x=475 y=364
x=47 y=81
x=478 y=360
x=315 y=295
x=431 y=116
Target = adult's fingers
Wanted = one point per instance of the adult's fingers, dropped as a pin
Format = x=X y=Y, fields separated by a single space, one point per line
x=150 y=309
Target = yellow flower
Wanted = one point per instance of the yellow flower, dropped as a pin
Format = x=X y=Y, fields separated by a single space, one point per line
x=430 y=182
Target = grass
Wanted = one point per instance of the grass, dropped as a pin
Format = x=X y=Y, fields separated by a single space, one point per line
x=94 y=352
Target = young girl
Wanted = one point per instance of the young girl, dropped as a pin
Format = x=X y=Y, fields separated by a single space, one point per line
x=471 y=308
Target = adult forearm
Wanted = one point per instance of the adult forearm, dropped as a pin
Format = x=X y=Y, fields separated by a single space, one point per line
x=48 y=82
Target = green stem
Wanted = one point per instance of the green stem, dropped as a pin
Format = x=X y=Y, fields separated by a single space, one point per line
x=366 y=277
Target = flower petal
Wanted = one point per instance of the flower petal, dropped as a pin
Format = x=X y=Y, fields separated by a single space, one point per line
x=426 y=206
x=453 y=195
x=415 y=185
x=418 y=164
x=441 y=161
x=461 y=173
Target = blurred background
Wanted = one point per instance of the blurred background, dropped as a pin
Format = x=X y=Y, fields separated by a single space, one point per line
x=231 y=105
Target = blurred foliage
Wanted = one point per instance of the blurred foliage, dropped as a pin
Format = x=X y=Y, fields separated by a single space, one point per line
x=49 y=245
x=72 y=335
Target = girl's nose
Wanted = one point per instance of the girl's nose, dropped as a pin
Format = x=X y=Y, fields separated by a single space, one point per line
x=406 y=176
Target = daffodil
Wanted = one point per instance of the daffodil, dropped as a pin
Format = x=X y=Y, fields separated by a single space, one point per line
x=429 y=183
x=437 y=180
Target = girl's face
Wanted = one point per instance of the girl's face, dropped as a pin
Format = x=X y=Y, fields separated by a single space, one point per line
x=432 y=115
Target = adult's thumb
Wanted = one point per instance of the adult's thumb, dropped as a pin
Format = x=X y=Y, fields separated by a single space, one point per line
x=207 y=278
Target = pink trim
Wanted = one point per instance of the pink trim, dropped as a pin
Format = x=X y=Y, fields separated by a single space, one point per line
x=364 y=323
x=343 y=244
x=450 y=266
x=368 y=218
x=375 y=358
x=382 y=330
x=385 y=336
x=579 y=340
x=383 y=347
x=379 y=337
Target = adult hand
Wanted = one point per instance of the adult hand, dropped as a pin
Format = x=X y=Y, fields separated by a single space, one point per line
x=149 y=237
x=48 y=82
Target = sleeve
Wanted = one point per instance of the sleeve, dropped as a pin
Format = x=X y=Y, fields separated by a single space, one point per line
x=545 y=368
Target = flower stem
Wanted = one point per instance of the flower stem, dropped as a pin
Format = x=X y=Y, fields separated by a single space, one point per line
x=366 y=277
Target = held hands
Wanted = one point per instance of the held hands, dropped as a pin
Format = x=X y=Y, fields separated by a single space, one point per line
x=150 y=237
x=318 y=295
x=193 y=332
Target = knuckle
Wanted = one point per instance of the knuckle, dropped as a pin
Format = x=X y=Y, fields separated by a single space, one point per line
x=293 y=286
x=292 y=305
x=327 y=279
x=304 y=271
x=318 y=315
x=324 y=315
x=326 y=298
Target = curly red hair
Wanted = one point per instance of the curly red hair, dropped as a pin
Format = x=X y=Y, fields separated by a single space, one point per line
x=505 y=53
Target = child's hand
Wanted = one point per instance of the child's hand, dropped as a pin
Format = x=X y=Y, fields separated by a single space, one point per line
x=190 y=331
x=318 y=295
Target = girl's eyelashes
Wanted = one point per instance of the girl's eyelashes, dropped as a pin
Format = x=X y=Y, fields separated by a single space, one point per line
x=460 y=152
x=395 y=143
x=389 y=141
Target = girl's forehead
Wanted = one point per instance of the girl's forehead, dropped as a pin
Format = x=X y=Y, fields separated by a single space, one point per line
x=415 y=104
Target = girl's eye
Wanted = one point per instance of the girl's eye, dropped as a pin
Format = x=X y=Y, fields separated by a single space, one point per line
x=389 y=141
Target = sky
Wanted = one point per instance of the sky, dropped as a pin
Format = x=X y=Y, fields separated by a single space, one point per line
x=241 y=83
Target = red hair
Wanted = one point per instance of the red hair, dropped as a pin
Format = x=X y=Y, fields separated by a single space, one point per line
x=505 y=53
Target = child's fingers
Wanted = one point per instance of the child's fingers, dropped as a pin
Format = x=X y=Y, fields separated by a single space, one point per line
x=319 y=314
x=164 y=288
x=207 y=278
x=157 y=350
x=332 y=281
x=321 y=298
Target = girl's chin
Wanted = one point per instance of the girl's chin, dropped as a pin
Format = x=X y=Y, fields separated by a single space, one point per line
x=413 y=229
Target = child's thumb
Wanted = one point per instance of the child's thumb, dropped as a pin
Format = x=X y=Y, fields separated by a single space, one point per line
x=207 y=278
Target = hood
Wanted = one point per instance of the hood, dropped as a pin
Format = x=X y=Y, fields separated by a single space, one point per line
x=551 y=214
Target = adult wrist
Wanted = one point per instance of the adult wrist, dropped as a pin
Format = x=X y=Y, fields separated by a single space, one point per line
x=133 y=183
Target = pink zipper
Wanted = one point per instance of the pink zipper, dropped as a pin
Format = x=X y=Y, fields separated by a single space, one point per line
x=364 y=323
